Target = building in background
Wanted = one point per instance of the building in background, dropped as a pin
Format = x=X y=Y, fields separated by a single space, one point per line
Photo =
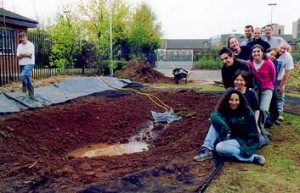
x=221 y=40
x=180 y=53
x=277 y=29
x=296 y=29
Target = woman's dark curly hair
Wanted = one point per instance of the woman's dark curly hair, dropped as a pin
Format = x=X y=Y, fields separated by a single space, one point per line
x=223 y=105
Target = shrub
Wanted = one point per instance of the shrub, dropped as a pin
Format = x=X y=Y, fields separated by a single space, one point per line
x=296 y=56
x=208 y=63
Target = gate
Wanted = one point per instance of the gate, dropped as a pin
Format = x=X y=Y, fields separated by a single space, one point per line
x=169 y=59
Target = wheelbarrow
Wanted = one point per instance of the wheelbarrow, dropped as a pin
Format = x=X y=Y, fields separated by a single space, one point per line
x=180 y=74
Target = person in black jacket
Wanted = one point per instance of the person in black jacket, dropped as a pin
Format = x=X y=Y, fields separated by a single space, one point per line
x=240 y=52
x=230 y=66
x=257 y=40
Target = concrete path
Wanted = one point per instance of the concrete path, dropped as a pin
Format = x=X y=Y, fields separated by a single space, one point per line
x=208 y=76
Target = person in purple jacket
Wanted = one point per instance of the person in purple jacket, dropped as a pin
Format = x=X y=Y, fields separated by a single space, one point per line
x=265 y=74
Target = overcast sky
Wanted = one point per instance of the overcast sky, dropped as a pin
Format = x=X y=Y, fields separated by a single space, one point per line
x=188 y=19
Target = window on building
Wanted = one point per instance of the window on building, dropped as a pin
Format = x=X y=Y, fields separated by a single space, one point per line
x=7 y=42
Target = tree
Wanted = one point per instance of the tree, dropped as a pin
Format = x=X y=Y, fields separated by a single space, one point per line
x=144 y=32
x=95 y=20
x=64 y=35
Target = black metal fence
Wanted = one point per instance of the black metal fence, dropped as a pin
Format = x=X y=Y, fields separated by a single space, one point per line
x=42 y=68
x=9 y=68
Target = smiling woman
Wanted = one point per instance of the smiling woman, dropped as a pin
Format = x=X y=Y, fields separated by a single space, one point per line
x=265 y=74
x=236 y=125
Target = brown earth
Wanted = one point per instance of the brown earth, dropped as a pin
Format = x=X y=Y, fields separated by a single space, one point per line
x=35 y=143
x=142 y=72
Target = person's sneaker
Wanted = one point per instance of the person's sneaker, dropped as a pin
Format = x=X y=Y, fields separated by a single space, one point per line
x=269 y=124
x=204 y=154
x=259 y=160
x=280 y=118
x=277 y=122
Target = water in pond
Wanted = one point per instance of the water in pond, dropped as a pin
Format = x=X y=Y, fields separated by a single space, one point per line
x=137 y=143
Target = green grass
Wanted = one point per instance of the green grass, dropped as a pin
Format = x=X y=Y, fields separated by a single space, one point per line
x=196 y=86
x=293 y=82
x=281 y=172
x=293 y=94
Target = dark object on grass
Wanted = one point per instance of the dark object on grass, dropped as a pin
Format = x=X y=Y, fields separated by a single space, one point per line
x=180 y=73
x=204 y=184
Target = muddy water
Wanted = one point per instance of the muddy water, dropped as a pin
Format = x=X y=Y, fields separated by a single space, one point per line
x=137 y=143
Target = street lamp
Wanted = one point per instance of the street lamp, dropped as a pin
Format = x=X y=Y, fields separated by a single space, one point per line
x=272 y=4
x=110 y=39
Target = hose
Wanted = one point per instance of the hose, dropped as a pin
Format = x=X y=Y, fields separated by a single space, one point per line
x=204 y=184
x=153 y=98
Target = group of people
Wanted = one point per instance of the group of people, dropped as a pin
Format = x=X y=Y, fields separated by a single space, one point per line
x=254 y=73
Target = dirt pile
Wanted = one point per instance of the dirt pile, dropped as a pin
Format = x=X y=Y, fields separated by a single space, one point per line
x=142 y=72
x=34 y=145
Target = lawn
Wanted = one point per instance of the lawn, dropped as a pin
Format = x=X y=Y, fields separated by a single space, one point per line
x=281 y=172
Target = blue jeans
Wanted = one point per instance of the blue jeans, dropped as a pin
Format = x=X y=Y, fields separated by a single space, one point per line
x=264 y=98
x=25 y=76
x=280 y=99
x=212 y=137
x=232 y=149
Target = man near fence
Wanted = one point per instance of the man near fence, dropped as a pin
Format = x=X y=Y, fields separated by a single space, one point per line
x=25 y=55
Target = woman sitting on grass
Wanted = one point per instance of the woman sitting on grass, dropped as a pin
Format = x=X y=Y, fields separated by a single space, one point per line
x=242 y=79
x=235 y=125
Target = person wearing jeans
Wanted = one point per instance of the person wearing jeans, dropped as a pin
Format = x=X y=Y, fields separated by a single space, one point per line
x=25 y=78
x=25 y=55
x=234 y=124
x=286 y=67
x=265 y=74
x=242 y=79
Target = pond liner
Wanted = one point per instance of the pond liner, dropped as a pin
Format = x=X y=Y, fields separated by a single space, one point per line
x=67 y=90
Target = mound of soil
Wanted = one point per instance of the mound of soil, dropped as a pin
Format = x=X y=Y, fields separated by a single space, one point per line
x=35 y=144
x=142 y=72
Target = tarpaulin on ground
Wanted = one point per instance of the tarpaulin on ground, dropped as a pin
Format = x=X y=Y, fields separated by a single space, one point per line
x=69 y=89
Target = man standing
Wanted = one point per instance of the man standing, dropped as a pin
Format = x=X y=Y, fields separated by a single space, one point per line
x=230 y=66
x=25 y=55
x=248 y=35
x=272 y=40
x=287 y=65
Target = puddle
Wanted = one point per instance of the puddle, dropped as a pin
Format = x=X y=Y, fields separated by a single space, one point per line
x=137 y=143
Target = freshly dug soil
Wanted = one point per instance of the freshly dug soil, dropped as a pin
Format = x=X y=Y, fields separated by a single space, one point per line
x=34 y=145
x=142 y=72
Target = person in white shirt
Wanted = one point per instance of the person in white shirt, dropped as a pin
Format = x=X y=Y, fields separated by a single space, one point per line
x=287 y=65
x=25 y=55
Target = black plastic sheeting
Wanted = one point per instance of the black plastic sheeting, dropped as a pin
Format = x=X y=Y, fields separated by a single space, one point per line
x=69 y=89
